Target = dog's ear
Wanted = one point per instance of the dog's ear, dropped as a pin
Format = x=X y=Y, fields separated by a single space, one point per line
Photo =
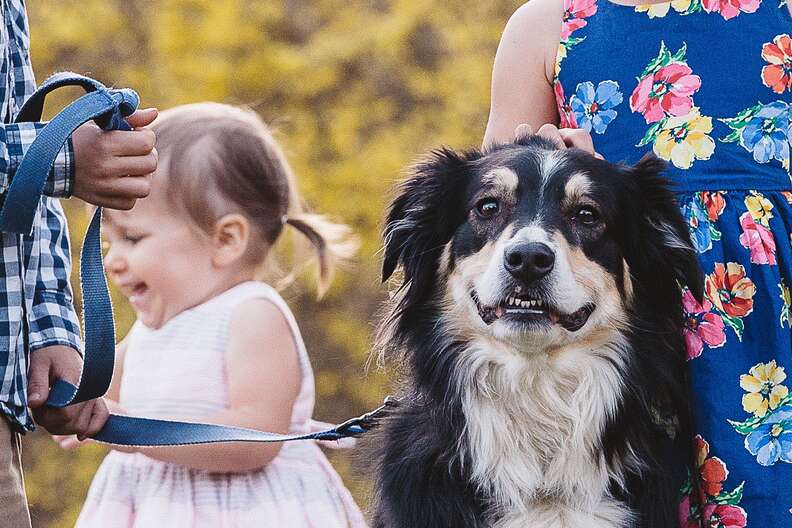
x=661 y=240
x=424 y=215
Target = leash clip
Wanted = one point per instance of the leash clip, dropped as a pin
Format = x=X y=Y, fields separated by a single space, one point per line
x=363 y=423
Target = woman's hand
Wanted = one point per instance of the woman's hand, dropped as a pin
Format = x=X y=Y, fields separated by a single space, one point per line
x=562 y=137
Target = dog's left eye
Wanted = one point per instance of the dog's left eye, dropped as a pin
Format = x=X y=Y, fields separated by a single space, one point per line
x=487 y=207
x=586 y=215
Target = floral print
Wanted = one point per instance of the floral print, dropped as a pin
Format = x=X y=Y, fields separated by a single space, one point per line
x=565 y=114
x=764 y=389
x=730 y=8
x=575 y=14
x=777 y=75
x=666 y=87
x=702 y=325
x=684 y=139
x=785 y=316
x=713 y=507
x=593 y=107
x=731 y=293
x=708 y=89
x=768 y=433
x=664 y=96
x=574 y=18
x=758 y=239
x=724 y=516
x=756 y=235
x=771 y=441
x=759 y=207
x=659 y=10
x=763 y=130
x=701 y=214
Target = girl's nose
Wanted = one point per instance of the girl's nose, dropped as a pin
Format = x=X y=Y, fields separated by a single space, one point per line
x=114 y=262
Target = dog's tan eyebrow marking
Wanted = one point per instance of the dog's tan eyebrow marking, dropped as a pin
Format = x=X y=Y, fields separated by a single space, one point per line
x=503 y=178
x=576 y=188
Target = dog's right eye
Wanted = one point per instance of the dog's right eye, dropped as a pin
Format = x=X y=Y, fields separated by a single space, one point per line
x=487 y=207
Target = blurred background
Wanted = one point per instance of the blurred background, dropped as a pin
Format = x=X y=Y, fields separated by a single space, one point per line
x=355 y=89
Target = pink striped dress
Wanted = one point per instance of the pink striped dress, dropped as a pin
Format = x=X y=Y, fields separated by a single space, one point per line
x=178 y=372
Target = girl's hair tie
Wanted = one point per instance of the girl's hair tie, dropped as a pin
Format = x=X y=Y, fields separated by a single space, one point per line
x=284 y=219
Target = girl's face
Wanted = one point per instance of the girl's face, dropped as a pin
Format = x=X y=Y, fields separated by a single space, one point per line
x=159 y=260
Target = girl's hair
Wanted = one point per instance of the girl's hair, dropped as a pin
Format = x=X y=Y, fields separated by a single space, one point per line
x=219 y=159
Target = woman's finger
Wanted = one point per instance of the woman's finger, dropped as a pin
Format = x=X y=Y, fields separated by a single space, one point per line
x=577 y=138
x=522 y=130
x=552 y=133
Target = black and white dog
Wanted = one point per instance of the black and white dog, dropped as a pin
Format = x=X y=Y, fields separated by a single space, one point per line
x=540 y=326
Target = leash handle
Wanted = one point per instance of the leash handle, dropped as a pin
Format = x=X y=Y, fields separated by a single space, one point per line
x=108 y=108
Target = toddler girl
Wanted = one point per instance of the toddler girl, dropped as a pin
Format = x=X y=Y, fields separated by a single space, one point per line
x=211 y=344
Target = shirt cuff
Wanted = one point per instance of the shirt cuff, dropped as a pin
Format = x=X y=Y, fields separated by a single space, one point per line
x=60 y=181
x=54 y=322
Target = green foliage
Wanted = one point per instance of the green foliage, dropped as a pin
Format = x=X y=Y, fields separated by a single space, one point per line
x=356 y=89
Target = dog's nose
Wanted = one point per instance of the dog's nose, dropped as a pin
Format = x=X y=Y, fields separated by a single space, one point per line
x=529 y=261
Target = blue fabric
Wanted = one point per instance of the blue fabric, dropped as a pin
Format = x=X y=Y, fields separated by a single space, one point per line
x=36 y=308
x=707 y=85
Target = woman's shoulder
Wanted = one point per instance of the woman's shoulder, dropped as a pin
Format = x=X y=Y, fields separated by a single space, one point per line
x=536 y=25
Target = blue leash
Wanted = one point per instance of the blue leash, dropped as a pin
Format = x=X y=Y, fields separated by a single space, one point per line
x=108 y=108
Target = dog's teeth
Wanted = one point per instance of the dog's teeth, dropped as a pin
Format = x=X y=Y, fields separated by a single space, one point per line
x=539 y=302
x=526 y=304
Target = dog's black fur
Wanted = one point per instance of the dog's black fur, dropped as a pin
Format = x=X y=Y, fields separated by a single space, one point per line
x=424 y=476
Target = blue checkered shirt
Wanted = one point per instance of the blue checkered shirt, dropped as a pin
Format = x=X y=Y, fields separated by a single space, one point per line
x=36 y=308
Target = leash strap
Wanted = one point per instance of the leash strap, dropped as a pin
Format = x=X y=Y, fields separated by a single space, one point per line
x=108 y=108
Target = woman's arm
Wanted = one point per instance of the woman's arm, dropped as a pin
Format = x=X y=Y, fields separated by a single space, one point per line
x=264 y=380
x=522 y=77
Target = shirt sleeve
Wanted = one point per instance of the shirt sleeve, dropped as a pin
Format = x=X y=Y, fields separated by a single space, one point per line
x=53 y=320
x=15 y=138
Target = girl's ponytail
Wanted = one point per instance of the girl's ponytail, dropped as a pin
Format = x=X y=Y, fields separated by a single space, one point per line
x=223 y=159
x=332 y=243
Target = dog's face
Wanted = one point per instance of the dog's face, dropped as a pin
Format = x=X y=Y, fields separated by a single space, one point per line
x=528 y=243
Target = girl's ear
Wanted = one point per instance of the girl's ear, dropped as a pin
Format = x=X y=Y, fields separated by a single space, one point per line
x=230 y=239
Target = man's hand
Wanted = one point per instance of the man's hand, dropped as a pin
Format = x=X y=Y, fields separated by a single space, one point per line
x=113 y=167
x=61 y=362
x=71 y=442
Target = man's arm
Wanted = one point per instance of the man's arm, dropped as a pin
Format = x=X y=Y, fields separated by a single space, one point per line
x=15 y=138
x=53 y=320
x=55 y=333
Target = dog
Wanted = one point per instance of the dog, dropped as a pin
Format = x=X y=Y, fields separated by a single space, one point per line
x=539 y=324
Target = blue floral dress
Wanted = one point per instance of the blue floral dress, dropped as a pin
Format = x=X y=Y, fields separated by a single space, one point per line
x=707 y=86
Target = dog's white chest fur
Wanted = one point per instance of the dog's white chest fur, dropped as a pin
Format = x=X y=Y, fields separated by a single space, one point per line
x=533 y=430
